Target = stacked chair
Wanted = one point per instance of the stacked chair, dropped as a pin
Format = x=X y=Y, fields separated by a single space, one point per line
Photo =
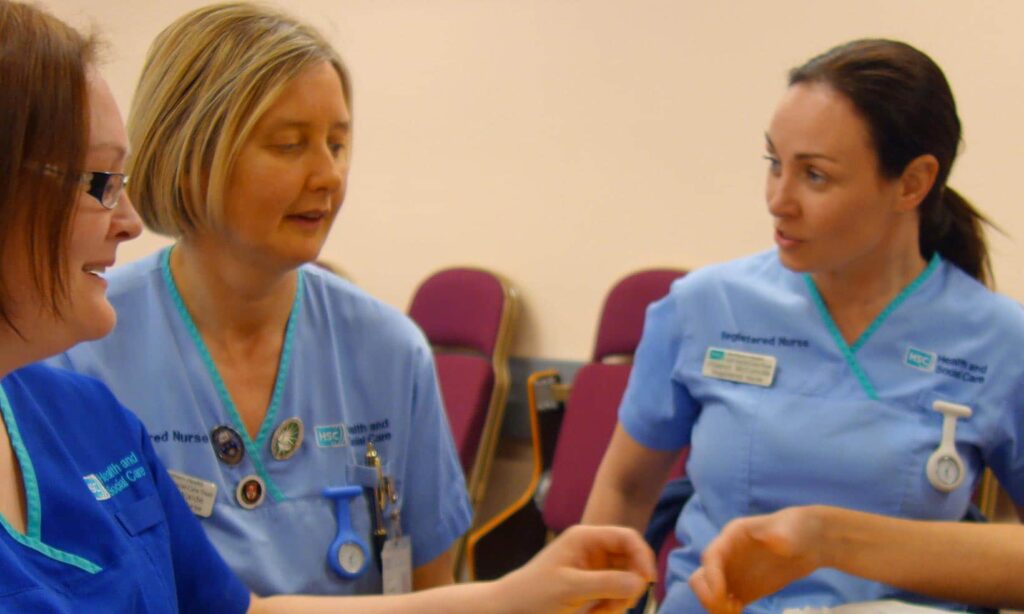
x=469 y=317
x=571 y=426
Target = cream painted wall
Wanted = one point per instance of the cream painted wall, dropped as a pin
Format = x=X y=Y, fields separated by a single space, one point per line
x=568 y=142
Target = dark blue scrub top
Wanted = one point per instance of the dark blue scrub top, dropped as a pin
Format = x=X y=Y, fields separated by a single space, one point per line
x=107 y=528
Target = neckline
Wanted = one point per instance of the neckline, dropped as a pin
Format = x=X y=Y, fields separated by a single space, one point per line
x=848 y=350
x=28 y=474
x=252 y=447
x=32 y=537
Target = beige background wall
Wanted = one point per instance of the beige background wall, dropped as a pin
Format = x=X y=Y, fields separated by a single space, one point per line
x=568 y=142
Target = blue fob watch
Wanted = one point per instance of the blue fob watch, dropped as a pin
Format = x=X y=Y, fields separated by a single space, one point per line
x=348 y=555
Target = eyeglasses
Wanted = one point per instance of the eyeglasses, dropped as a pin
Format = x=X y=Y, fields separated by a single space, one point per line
x=105 y=187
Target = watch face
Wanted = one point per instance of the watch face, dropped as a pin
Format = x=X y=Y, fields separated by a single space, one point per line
x=948 y=470
x=351 y=557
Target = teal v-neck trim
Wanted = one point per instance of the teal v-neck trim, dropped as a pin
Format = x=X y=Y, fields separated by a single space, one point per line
x=32 y=538
x=847 y=350
x=252 y=447
x=896 y=302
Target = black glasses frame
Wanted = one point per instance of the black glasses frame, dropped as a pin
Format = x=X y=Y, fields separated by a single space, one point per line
x=99 y=184
x=101 y=189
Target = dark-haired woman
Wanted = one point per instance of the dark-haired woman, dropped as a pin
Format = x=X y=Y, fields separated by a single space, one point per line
x=862 y=364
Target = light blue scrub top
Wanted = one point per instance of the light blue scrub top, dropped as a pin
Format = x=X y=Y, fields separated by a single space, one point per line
x=843 y=425
x=355 y=367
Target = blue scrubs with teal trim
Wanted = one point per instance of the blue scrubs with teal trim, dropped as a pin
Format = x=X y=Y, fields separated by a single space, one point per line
x=353 y=370
x=849 y=426
x=107 y=530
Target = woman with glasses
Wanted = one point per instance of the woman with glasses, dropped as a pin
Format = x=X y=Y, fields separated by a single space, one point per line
x=91 y=520
x=262 y=379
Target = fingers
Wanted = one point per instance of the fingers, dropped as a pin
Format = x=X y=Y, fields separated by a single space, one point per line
x=605 y=585
x=712 y=593
x=710 y=582
x=623 y=548
x=699 y=584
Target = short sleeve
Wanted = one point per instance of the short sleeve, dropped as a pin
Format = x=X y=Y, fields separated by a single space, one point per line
x=657 y=410
x=435 y=505
x=203 y=581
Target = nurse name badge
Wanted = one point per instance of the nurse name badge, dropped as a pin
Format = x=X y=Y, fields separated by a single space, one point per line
x=286 y=439
x=227 y=444
x=739 y=367
x=250 y=492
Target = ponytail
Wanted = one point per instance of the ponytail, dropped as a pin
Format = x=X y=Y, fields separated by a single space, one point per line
x=951 y=226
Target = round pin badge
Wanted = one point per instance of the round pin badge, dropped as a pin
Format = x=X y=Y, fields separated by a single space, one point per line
x=250 y=492
x=227 y=444
x=286 y=439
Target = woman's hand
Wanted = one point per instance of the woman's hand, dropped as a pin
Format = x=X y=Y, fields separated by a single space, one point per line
x=756 y=556
x=587 y=568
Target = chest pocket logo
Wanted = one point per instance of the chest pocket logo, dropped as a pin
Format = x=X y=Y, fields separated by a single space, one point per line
x=331 y=436
x=920 y=359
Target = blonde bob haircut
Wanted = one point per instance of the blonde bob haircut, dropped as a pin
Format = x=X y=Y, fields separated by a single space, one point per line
x=207 y=80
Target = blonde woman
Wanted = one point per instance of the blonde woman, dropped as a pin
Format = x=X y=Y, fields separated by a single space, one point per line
x=262 y=379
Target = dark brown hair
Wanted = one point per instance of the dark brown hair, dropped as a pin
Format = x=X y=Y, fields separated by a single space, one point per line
x=909 y=108
x=44 y=135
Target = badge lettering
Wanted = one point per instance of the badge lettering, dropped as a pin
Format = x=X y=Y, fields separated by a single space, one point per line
x=739 y=367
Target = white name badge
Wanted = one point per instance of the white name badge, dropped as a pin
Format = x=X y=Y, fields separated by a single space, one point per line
x=396 y=564
x=741 y=367
x=199 y=494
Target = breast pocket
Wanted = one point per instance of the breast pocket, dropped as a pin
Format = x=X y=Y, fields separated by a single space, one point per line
x=855 y=454
x=148 y=539
x=294 y=536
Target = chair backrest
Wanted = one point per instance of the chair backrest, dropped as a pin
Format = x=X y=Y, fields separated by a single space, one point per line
x=461 y=309
x=591 y=411
x=622 y=317
x=468 y=315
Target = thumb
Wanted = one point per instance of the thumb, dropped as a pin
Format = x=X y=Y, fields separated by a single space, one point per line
x=605 y=584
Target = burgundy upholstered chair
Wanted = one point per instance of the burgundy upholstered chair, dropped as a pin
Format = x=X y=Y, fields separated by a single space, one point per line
x=591 y=409
x=567 y=448
x=468 y=315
